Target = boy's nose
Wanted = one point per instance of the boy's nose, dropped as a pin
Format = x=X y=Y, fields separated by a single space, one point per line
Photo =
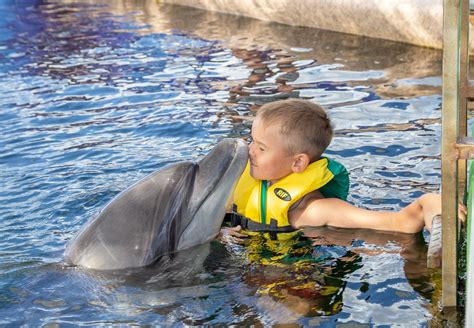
x=251 y=149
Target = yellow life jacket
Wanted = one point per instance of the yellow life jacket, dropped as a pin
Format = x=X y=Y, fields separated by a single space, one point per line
x=268 y=205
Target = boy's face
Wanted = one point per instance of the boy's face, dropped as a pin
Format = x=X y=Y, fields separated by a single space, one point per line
x=269 y=158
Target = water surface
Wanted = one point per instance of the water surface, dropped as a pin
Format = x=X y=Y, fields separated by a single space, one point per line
x=94 y=96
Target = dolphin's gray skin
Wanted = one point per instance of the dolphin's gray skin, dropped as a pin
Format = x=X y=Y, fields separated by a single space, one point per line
x=175 y=208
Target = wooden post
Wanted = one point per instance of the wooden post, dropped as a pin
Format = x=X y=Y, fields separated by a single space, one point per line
x=450 y=120
x=463 y=85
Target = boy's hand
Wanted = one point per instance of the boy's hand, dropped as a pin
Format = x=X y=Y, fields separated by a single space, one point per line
x=231 y=235
x=462 y=214
x=431 y=206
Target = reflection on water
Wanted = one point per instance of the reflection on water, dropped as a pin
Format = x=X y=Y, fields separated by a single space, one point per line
x=96 y=95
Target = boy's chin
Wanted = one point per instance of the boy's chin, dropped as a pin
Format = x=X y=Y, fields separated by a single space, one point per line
x=257 y=176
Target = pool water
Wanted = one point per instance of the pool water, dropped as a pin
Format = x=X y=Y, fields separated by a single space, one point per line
x=96 y=95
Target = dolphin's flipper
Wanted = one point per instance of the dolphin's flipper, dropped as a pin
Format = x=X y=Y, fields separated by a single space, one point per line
x=139 y=224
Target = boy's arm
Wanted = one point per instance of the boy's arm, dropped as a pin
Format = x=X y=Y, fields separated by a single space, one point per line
x=337 y=213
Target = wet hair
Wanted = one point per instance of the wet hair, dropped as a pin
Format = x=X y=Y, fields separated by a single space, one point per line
x=304 y=124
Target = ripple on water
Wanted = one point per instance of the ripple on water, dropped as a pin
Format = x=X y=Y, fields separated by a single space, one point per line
x=387 y=111
x=92 y=100
x=333 y=73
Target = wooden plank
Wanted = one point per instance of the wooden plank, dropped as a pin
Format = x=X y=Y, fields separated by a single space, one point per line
x=470 y=105
x=469 y=92
x=449 y=161
x=463 y=83
x=465 y=148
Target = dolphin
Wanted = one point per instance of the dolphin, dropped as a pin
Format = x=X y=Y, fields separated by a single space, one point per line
x=177 y=207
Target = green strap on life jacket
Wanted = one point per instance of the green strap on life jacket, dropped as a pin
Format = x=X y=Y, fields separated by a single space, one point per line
x=263 y=201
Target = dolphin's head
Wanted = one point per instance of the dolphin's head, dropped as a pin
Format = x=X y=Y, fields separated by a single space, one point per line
x=177 y=207
x=217 y=176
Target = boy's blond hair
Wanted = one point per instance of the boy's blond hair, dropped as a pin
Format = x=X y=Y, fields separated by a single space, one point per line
x=304 y=124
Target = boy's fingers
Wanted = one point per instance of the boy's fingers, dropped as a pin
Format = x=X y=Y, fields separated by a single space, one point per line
x=235 y=231
x=237 y=234
x=236 y=228
x=232 y=235
x=236 y=240
x=228 y=238
x=462 y=214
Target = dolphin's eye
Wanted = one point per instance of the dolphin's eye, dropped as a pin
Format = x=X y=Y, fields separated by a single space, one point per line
x=249 y=140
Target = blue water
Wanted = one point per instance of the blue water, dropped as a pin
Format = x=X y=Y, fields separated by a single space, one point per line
x=95 y=96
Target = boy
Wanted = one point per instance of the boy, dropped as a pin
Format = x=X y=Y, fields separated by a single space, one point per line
x=287 y=185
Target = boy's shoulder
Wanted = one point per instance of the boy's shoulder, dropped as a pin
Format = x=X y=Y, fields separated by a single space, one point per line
x=338 y=186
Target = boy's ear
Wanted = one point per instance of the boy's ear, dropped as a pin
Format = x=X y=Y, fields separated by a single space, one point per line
x=300 y=163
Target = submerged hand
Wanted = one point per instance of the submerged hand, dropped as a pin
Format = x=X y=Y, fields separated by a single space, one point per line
x=231 y=235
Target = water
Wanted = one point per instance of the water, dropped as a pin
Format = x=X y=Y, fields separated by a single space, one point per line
x=94 y=96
